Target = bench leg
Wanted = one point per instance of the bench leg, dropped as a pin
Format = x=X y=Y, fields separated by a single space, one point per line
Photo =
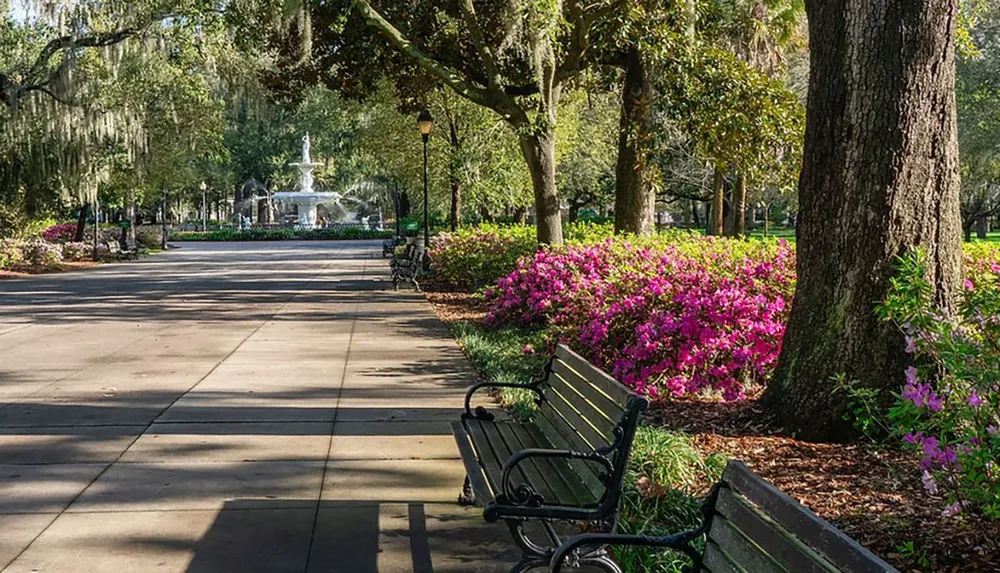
x=532 y=555
x=467 y=497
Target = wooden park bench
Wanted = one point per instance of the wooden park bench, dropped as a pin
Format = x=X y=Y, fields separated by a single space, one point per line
x=748 y=526
x=406 y=266
x=566 y=464
x=389 y=245
x=116 y=252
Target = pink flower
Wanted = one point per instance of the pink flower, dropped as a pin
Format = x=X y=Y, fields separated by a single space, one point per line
x=969 y=286
x=528 y=349
x=911 y=345
x=952 y=510
x=929 y=484
x=975 y=400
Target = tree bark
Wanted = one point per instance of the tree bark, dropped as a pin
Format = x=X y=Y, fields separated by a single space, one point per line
x=456 y=204
x=981 y=227
x=81 y=222
x=521 y=215
x=717 y=216
x=539 y=152
x=879 y=179
x=635 y=203
x=456 y=184
x=739 y=208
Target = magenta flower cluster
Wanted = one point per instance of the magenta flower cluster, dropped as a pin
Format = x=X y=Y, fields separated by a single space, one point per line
x=62 y=233
x=668 y=319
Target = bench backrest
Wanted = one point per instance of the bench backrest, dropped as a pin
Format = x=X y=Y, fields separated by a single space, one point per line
x=114 y=247
x=757 y=527
x=586 y=410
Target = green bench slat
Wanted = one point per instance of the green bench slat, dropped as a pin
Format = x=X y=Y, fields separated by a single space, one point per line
x=575 y=392
x=587 y=474
x=539 y=476
x=738 y=548
x=600 y=379
x=844 y=553
x=773 y=539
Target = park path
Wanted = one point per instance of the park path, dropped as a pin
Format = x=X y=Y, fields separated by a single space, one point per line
x=255 y=407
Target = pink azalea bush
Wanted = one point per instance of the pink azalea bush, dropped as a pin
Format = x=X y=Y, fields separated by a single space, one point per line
x=73 y=251
x=39 y=253
x=62 y=233
x=948 y=411
x=674 y=315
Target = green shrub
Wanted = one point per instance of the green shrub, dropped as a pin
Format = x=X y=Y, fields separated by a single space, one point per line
x=149 y=236
x=11 y=253
x=472 y=258
x=476 y=257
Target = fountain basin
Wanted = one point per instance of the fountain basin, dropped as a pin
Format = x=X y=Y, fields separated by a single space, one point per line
x=306 y=203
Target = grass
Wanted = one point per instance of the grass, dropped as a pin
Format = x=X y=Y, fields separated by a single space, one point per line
x=668 y=461
x=499 y=356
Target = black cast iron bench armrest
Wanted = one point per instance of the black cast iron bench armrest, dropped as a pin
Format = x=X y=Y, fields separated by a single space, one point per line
x=481 y=412
x=682 y=542
x=523 y=495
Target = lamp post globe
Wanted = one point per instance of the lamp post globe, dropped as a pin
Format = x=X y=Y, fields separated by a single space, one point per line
x=426 y=123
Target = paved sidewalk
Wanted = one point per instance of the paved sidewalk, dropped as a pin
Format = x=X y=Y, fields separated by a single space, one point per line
x=257 y=407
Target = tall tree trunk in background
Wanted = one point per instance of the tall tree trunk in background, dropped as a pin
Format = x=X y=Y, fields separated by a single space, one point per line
x=739 y=209
x=456 y=184
x=981 y=227
x=574 y=212
x=539 y=151
x=635 y=203
x=456 y=204
x=521 y=215
x=879 y=178
x=694 y=214
x=717 y=216
x=404 y=204
x=81 y=222
x=484 y=215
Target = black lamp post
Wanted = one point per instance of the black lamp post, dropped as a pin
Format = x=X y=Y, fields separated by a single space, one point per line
x=426 y=123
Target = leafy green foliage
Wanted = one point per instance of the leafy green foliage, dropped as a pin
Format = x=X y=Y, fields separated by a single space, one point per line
x=947 y=409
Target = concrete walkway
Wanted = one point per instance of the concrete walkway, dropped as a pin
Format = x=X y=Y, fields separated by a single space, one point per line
x=257 y=407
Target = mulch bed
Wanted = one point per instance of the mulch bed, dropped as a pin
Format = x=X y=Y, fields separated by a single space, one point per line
x=32 y=271
x=872 y=493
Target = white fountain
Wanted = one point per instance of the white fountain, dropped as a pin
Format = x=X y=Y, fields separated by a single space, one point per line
x=305 y=199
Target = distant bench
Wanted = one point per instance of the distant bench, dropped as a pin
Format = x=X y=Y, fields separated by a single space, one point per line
x=749 y=526
x=115 y=250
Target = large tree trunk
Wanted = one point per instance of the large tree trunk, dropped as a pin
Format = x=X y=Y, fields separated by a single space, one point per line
x=635 y=203
x=717 y=215
x=982 y=227
x=540 y=153
x=879 y=178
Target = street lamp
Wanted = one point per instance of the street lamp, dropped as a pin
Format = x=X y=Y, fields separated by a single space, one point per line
x=204 y=210
x=426 y=123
